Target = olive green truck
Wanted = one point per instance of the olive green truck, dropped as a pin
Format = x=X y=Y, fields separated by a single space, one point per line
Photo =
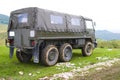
x=47 y=36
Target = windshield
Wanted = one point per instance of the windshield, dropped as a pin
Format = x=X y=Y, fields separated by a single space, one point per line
x=89 y=24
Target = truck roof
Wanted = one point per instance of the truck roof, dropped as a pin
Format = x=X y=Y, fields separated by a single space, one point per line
x=18 y=10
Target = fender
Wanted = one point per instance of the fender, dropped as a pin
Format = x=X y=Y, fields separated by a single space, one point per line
x=36 y=53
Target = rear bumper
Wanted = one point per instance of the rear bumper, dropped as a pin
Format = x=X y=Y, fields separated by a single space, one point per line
x=7 y=44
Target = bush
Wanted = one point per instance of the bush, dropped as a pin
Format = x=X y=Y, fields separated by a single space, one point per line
x=109 y=44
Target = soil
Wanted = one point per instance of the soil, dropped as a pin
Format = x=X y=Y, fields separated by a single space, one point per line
x=111 y=73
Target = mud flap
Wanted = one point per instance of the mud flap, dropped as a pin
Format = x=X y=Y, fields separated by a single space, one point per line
x=36 y=54
x=11 y=52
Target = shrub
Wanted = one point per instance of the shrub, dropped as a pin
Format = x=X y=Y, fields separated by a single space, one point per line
x=109 y=44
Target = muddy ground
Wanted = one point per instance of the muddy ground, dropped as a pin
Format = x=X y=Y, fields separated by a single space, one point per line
x=110 y=73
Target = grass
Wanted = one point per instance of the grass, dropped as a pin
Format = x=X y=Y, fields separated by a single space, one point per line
x=9 y=68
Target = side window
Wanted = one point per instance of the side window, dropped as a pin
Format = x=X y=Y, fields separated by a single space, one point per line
x=23 y=18
x=75 y=21
x=56 y=19
x=89 y=24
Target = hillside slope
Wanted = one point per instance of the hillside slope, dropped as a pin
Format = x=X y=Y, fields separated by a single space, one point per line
x=107 y=35
x=4 y=19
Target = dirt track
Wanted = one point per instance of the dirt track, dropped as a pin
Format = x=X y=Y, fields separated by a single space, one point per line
x=110 y=73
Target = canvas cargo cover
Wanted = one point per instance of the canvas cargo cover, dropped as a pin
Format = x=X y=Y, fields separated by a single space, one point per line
x=43 y=20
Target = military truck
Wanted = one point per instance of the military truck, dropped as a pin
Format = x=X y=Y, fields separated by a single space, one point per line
x=47 y=36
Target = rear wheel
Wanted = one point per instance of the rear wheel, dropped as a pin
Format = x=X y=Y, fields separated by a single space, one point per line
x=87 y=49
x=23 y=57
x=49 y=55
x=65 y=52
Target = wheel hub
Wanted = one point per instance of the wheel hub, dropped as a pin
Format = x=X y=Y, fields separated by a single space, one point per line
x=89 y=48
x=51 y=55
x=67 y=53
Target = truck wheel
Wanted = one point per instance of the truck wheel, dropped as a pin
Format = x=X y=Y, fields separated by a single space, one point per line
x=49 y=55
x=23 y=57
x=87 y=49
x=65 y=52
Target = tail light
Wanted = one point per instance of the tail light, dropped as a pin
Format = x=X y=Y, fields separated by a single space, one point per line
x=32 y=43
x=11 y=41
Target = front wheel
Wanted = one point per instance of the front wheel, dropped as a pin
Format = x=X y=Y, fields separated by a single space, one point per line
x=23 y=57
x=49 y=55
x=87 y=49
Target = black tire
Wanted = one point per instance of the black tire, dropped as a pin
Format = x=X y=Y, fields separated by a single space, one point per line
x=23 y=57
x=49 y=55
x=65 y=52
x=87 y=49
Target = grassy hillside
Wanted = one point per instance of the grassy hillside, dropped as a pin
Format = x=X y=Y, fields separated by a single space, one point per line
x=109 y=44
x=3 y=34
x=10 y=69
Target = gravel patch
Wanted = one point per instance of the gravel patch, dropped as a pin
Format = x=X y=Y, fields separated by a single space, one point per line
x=21 y=73
x=2 y=78
x=66 y=64
x=102 y=58
x=98 y=69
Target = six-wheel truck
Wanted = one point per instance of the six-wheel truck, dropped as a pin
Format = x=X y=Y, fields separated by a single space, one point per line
x=48 y=36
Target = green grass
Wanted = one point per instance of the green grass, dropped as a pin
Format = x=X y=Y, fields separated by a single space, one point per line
x=9 y=68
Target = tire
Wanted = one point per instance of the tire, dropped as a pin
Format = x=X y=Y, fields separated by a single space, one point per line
x=65 y=52
x=23 y=57
x=87 y=49
x=49 y=55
